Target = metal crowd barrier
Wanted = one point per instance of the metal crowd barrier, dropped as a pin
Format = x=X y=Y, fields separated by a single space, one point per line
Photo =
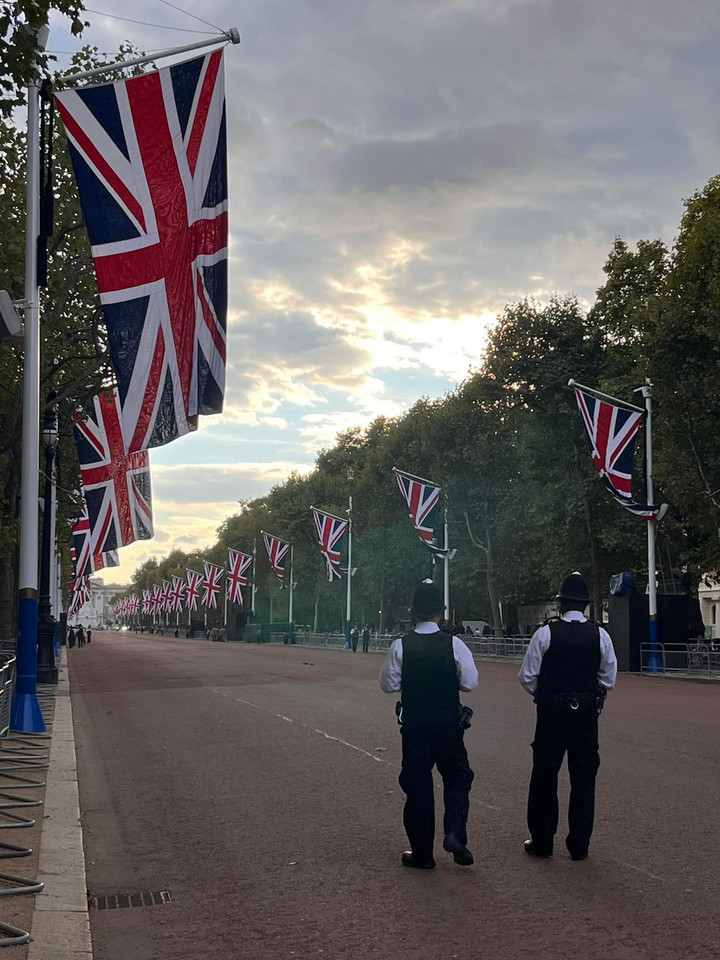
x=486 y=648
x=698 y=659
x=7 y=688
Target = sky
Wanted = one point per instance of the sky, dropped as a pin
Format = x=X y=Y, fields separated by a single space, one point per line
x=399 y=171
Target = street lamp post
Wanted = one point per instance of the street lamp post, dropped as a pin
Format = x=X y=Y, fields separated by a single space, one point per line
x=46 y=669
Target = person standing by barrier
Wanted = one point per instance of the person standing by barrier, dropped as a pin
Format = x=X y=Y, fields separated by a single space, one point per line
x=88 y=635
x=80 y=636
x=428 y=668
x=354 y=638
x=569 y=667
x=365 y=638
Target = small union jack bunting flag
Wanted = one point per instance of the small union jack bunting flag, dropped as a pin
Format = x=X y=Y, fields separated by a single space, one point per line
x=612 y=430
x=116 y=485
x=277 y=551
x=422 y=499
x=147 y=601
x=150 y=160
x=329 y=530
x=156 y=599
x=211 y=587
x=194 y=584
x=166 y=596
x=237 y=575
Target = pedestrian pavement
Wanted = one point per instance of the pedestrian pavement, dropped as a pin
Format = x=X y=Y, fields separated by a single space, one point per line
x=61 y=924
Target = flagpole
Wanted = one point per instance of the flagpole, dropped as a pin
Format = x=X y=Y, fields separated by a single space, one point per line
x=606 y=396
x=232 y=35
x=292 y=588
x=654 y=663
x=348 y=610
x=252 y=594
x=25 y=714
x=446 y=568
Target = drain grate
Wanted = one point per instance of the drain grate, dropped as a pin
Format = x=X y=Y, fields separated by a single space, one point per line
x=115 y=901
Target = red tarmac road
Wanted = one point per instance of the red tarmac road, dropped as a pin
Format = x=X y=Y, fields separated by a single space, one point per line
x=258 y=784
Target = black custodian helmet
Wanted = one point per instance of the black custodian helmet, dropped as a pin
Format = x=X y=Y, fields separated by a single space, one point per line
x=427 y=601
x=575 y=589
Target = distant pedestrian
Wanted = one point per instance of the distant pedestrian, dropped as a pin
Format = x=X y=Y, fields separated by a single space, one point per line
x=88 y=635
x=80 y=636
x=568 y=668
x=365 y=639
x=71 y=638
x=354 y=638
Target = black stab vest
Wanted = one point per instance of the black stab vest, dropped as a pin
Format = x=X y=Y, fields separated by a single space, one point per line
x=572 y=661
x=429 y=674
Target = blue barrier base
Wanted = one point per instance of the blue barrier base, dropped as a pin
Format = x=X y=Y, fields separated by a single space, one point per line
x=26 y=715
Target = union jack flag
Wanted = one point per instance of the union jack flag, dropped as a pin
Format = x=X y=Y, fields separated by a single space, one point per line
x=156 y=599
x=116 y=485
x=612 y=431
x=211 y=587
x=194 y=586
x=178 y=593
x=237 y=575
x=147 y=601
x=422 y=499
x=80 y=595
x=166 y=596
x=329 y=530
x=133 y=604
x=150 y=160
x=84 y=562
x=277 y=551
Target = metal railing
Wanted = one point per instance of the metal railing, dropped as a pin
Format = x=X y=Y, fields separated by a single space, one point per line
x=485 y=648
x=698 y=659
x=7 y=687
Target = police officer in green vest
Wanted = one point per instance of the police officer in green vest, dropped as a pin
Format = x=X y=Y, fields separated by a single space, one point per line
x=568 y=668
x=428 y=668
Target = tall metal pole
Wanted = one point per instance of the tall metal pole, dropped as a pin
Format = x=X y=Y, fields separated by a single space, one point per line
x=252 y=595
x=446 y=569
x=348 y=605
x=654 y=662
x=25 y=714
x=292 y=590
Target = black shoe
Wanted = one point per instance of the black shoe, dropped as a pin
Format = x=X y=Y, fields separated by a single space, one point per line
x=461 y=854
x=578 y=855
x=410 y=860
x=533 y=850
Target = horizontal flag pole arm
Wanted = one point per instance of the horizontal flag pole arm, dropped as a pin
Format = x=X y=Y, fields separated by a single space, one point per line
x=413 y=477
x=331 y=515
x=227 y=36
x=606 y=396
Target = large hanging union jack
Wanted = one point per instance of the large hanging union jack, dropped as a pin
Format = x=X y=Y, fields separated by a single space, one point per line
x=612 y=430
x=83 y=560
x=166 y=596
x=147 y=601
x=422 y=498
x=277 y=551
x=330 y=529
x=178 y=593
x=156 y=603
x=211 y=587
x=116 y=485
x=150 y=160
x=237 y=575
x=194 y=585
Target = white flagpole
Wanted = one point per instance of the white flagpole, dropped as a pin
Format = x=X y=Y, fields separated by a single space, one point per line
x=348 y=610
x=25 y=714
x=654 y=662
x=446 y=569
x=232 y=35
x=290 y=604
x=252 y=595
x=226 y=602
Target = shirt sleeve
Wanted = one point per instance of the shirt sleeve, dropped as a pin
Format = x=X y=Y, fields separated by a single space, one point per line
x=607 y=673
x=466 y=669
x=391 y=670
x=530 y=669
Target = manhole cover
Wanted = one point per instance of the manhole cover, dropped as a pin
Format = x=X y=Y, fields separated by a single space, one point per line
x=115 y=901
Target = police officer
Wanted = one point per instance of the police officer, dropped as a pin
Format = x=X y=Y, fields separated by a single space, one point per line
x=428 y=667
x=568 y=668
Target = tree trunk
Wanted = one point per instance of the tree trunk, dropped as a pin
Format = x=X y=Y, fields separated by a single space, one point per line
x=492 y=590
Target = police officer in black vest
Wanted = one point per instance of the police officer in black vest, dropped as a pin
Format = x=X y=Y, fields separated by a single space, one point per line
x=428 y=668
x=568 y=668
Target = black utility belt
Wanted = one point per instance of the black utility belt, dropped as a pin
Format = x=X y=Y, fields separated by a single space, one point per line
x=575 y=700
x=464 y=715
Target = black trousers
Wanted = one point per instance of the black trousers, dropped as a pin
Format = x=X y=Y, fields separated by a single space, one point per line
x=425 y=745
x=561 y=730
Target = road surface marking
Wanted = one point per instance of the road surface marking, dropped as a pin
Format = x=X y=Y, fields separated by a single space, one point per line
x=306 y=726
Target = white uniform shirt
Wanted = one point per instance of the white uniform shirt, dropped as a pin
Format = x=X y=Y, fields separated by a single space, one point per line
x=538 y=647
x=391 y=670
